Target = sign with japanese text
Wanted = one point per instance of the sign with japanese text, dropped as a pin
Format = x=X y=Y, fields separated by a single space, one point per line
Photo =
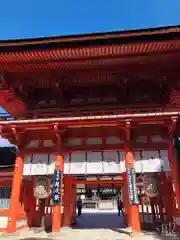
x=56 y=190
x=131 y=174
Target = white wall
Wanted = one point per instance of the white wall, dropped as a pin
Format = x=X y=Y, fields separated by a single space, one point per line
x=3 y=221
x=105 y=162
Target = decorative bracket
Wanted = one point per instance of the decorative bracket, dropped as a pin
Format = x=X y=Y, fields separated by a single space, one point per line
x=58 y=137
x=172 y=126
x=128 y=130
x=16 y=136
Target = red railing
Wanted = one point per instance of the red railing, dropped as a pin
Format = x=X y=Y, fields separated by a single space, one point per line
x=90 y=111
x=97 y=111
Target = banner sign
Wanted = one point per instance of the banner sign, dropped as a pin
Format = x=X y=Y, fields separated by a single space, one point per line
x=56 y=190
x=131 y=175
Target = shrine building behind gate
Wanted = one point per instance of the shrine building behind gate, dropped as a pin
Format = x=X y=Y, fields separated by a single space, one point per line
x=92 y=107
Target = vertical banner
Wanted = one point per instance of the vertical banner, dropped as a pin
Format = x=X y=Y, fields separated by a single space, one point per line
x=56 y=190
x=131 y=174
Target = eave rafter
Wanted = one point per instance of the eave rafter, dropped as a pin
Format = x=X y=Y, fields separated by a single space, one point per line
x=115 y=50
x=73 y=58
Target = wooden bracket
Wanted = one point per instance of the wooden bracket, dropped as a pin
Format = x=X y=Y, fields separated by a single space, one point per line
x=17 y=139
x=58 y=137
x=128 y=130
x=172 y=126
x=16 y=136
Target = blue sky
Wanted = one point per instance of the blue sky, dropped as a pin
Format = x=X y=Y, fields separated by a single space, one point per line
x=33 y=18
x=39 y=18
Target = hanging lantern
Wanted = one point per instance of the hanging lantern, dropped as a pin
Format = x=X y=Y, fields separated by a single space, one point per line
x=42 y=187
x=151 y=185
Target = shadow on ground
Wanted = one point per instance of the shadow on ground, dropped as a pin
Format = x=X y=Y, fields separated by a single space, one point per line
x=99 y=220
x=102 y=221
x=97 y=225
x=115 y=223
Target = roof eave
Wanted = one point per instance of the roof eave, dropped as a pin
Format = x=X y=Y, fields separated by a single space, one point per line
x=128 y=36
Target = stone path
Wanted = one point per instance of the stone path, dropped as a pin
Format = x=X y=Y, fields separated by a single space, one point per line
x=100 y=220
x=83 y=234
x=90 y=226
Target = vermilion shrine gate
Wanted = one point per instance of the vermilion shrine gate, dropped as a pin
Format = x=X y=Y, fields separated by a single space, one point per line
x=91 y=105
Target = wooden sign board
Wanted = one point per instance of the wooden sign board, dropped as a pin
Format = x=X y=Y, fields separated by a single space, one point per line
x=131 y=173
x=56 y=189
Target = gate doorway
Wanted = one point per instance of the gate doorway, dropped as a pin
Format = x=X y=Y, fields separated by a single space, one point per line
x=105 y=214
x=99 y=212
x=99 y=194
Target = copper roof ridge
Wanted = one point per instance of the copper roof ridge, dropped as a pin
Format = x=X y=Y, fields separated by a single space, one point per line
x=91 y=36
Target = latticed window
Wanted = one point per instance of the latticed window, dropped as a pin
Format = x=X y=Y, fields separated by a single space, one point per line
x=5 y=193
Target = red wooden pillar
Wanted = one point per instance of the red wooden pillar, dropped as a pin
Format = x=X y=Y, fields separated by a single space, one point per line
x=133 y=218
x=15 y=194
x=56 y=214
x=31 y=203
x=166 y=193
x=154 y=217
x=67 y=200
x=126 y=198
x=171 y=195
x=174 y=166
x=73 y=203
x=160 y=207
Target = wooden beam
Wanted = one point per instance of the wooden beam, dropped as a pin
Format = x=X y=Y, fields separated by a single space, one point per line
x=97 y=119
x=134 y=70
x=101 y=147
x=95 y=61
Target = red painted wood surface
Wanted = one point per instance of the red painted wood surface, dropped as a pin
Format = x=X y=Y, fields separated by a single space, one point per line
x=112 y=63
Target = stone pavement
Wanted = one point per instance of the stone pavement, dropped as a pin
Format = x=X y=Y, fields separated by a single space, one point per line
x=90 y=226
x=83 y=234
